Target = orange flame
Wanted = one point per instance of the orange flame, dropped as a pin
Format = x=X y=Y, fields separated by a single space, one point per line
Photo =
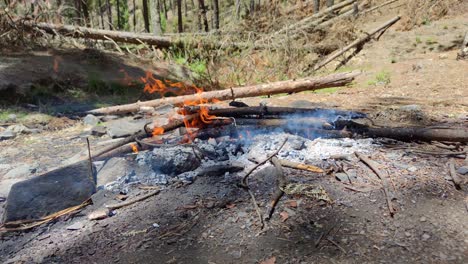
x=158 y=131
x=134 y=148
x=154 y=85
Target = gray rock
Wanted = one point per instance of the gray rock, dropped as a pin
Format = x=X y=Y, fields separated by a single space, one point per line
x=112 y=169
x=7 y=134
x=21 y=129
x=174 y=161
x=20 y=172
x=410 y=108
x=123 y=127
x=296 y=143
x=11 y=118
x=107 y=118
x=90 y=120
x=49 y=193
x=98 y=131
x=463 y=170
x=75 y=226
x=342 y=177
x=266 y=172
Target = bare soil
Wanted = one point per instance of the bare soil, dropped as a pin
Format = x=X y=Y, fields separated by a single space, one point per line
x=213 y=220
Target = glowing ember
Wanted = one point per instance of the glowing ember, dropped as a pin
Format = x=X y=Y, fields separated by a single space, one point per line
x=134 y=148
x=158 y=131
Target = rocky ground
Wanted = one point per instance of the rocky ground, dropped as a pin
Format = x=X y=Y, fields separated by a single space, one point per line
x=409 y=78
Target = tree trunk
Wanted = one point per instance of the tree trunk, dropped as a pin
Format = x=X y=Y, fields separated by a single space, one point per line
x=316 y=6
x=202 y=8
x=306 y=84
x=155 y=17
x=119 y=19
x=252 y=7
x=164 y=6
x=78 y=9
x=180 y=26
x=146 y=15
x=216 y=13
x=134 y=16
x=238 y=8
x=101 y=14
x=84 y=6
x=330 y=3
x=109 y=14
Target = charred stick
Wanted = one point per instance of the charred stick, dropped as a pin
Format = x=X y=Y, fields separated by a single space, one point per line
x=300 y=166
x=385 y=185
x=453 y=174
x=280 y=183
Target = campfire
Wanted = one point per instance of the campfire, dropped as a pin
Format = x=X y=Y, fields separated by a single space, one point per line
x=203 y=136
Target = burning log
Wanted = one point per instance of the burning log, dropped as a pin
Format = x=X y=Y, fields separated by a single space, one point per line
x=290 y=86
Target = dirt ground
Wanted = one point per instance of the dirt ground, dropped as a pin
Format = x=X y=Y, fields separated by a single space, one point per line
x=213 y=220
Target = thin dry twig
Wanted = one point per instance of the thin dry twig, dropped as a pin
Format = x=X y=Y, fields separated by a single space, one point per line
x=374 y=167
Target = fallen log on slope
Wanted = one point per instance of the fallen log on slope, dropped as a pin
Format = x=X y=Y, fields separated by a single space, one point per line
x=357 y=43
x=306 y=84
x=315 y=16
x=101 y=34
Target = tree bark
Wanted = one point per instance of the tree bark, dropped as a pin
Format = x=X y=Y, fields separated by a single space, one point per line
x=202 y=8
x=155 y=18
x=109 y=14
x=119 y=19
x=216 y=13
x=91 y=33
x=146 y=19
x=180 y=25
x=333 y=80
x=134 y=16
x=84 y=6
x=316 y=6
x=101 y=15
x=78 y=9
x=330 y=3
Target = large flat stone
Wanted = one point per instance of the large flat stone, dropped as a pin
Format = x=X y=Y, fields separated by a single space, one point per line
x=112 y=170
x=49 y=193
x=123 y=127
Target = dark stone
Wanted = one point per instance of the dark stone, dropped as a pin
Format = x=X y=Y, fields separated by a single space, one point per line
x=174 y=161
x=219 y=170
x=49 y=193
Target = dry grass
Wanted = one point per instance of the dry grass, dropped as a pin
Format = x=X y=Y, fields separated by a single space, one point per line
x=422 y=12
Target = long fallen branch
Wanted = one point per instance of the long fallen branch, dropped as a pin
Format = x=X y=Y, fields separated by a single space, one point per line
x=385 y=184
x=315 y=16
x=357 y=43
x=307 y=84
